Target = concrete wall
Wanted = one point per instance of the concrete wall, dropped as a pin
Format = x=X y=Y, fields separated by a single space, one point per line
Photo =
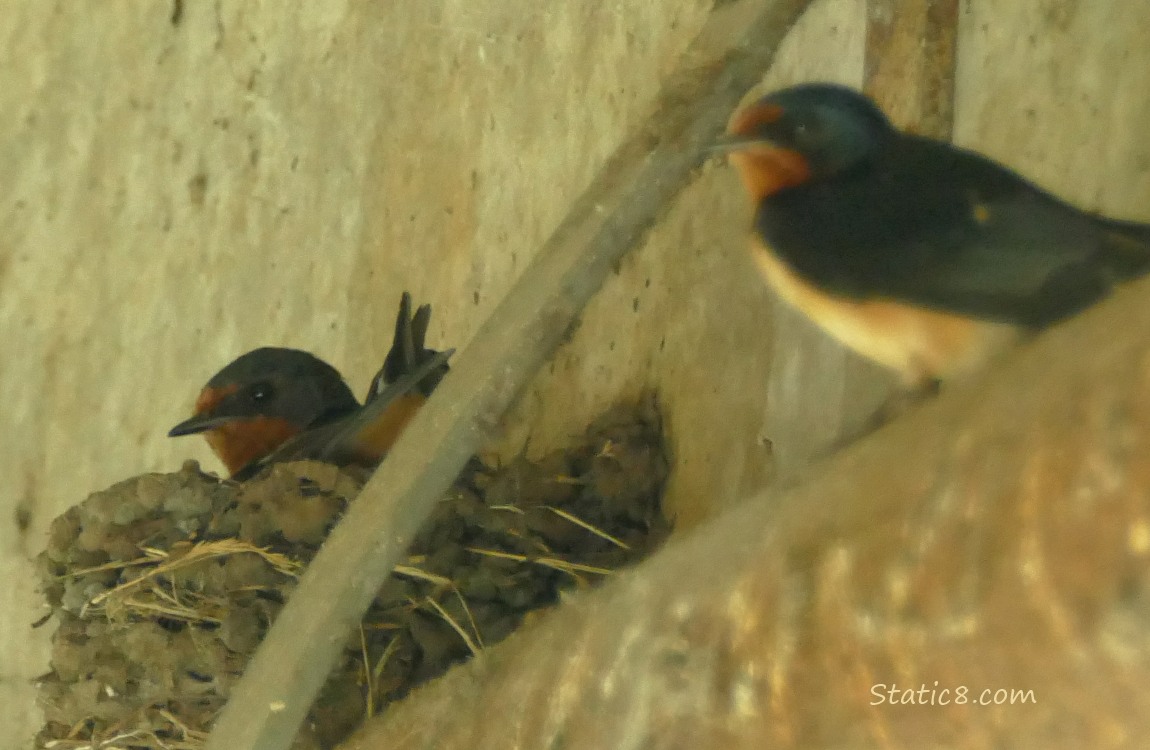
x=185 y=182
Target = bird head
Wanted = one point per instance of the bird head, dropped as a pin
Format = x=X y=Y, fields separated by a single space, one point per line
x=263 y=398
x=803 y=134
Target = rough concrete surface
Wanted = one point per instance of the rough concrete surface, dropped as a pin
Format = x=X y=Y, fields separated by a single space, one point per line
x=186 y=181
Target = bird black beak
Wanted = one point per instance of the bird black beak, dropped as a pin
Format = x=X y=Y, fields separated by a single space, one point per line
x=729 y=142
x=199 y=423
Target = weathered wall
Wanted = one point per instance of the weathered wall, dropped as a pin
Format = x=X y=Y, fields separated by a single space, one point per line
x=1061 y=92
x=180 y=190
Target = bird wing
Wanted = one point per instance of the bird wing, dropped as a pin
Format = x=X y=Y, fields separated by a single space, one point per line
x=948 y=229
x=337 y=441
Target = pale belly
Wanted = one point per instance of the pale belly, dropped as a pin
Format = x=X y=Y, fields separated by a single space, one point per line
x=918 y=343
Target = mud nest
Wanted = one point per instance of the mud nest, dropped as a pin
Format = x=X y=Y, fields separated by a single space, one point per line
x=163 y=585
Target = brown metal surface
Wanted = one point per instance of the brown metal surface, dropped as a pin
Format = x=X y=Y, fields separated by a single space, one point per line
x=910 y=59
x=995 y=539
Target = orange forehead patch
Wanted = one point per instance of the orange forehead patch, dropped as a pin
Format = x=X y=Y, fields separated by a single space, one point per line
x=749 y=119
x=210 y=398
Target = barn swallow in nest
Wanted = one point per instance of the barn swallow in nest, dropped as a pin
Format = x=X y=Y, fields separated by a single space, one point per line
x=275 y=404
x=924 y=257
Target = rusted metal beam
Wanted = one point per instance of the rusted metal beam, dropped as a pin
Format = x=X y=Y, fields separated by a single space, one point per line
x=910 y=59
x=974 y=575
x=635 y=188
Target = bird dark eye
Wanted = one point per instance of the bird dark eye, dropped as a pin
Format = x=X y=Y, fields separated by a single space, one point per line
x=806 y=131
x=260 y=392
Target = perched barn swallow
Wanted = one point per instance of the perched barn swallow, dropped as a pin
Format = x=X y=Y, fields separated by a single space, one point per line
x=922 y=256
x=275 y=404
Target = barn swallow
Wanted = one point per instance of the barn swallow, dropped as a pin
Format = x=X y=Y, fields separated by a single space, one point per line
x=924 y=257
x=275 y=404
